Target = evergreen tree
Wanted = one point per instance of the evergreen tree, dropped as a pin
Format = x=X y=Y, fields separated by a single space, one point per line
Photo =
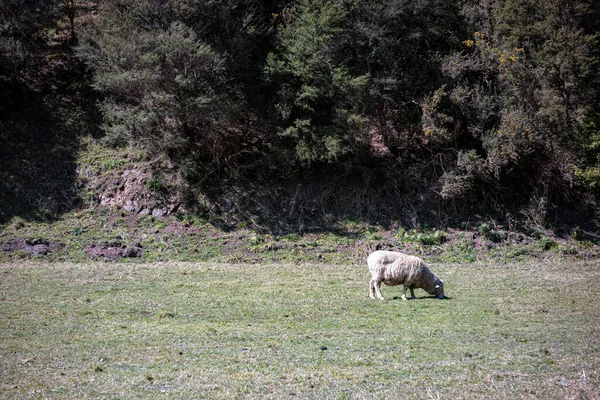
x=317 y=104
x=400 y=45
x=469 y=97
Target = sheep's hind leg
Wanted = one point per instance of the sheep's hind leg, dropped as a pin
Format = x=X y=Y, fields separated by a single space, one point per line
x=412 y=294
x=377 y=285
x=372 y=289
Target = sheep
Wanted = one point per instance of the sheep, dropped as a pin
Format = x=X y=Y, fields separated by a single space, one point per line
x=393 y=268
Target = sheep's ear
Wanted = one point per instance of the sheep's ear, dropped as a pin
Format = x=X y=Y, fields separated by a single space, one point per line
x=437 y=286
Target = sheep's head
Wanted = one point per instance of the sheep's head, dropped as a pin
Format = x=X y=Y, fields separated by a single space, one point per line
x=438 y=289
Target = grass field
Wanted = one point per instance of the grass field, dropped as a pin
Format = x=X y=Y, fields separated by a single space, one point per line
x=131 y=331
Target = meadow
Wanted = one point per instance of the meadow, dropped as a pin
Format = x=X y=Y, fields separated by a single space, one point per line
x=269 y=330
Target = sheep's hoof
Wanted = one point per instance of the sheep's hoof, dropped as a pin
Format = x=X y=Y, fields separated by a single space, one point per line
x=404 y=298
x=381 y=298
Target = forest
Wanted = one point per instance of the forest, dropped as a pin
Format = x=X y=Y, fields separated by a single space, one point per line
x=337 y=108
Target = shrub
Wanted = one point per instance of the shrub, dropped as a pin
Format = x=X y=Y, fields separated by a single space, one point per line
x=375 y=236
x=256 y=240
x=437 y=237
x=484 y=229
x=497 y=236
x=494 y=235
x=424 y=238
x=548 y=243
x=155 y=184
x=536 y=234
x=577 y=234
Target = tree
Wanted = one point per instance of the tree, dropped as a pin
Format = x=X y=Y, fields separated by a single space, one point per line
x=400 y=45
x=517 y=105
x=21 y=36
x=317 y=104
x=562 y=69
x=162 y=85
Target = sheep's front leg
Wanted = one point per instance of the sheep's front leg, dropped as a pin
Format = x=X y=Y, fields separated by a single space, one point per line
x=404 y=294
x=412 y=294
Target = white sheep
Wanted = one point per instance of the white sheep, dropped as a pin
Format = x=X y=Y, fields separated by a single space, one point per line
x=393 y=268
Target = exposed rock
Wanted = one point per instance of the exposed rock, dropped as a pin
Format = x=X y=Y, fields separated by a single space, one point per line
x=104 y=251
x=35 y=246
x=159 y=212
x=131 y=191
x=132 y=206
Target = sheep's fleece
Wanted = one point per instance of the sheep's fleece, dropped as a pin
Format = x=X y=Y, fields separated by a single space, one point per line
x=393 y=268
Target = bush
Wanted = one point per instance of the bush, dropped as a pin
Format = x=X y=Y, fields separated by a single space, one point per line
x=536 y=234
x=497 y=236
x=577 y=234
x=548 y=244
x=426 y=238
x=494 y=235
x=484 y=229
x=437 y=237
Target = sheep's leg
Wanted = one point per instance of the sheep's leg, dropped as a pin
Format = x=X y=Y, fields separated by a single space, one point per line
x=377 y=285
x=404 y=294
x=412 y=294
x=372 y=289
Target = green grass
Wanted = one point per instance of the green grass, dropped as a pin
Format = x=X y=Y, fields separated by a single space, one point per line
x=193 y=238
x=209 y=330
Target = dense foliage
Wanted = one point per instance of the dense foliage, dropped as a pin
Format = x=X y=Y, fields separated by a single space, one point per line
x=475 y=102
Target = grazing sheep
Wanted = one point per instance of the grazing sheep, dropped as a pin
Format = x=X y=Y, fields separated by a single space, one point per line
x=393 y=268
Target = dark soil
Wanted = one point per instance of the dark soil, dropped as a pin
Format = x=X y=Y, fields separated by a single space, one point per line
x=35 y=246
x=113 y=250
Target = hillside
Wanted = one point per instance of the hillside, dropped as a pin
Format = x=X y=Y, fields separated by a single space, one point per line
x=132 y=209
x=314 y=131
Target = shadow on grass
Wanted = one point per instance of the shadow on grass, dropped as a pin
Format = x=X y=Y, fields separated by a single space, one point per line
x=423 y=298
